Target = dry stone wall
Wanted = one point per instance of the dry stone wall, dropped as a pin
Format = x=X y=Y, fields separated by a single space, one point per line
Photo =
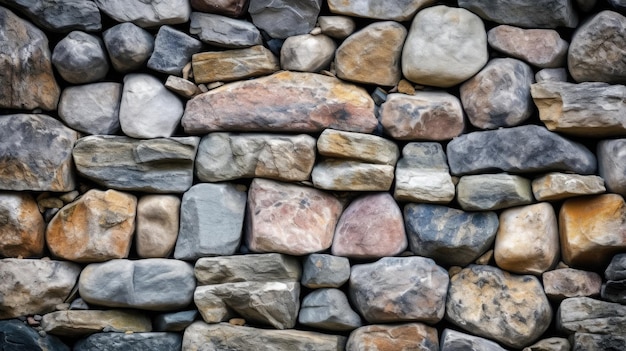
x=312 y=175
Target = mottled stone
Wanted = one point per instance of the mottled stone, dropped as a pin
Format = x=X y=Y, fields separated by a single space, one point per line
x=445 y=47
x=612 y=164
x=270 y=267
x=372 y=55
x=155 y=165
x=338 y=27
x=541 y=48
x=325 y=271
x=131 y=341
x=386 y=290
x=34 y=286
x=397 y=10
x=216 y=337
x=80 y=58
x=307 y=53
x=425 y=115
x=489 y=302
x=328 y=309
x=283 y=102
x=60 y=16
x=452 y=340
x=550 y=344
x=28 y=79
x=211 y=220
x=488 y=192
x=174 y=321
x=558 y=186
x=21 y=226
x=447 y=235
x=172 y=51
x=520 y=149
x=597 y=48
x=148 y=13
x=227 y=156
x=129 y=46
x=406 y=336
x=182 y=87
x=285 y=18
x=230 y=65
x=223 y=31
x=232 y=8
x=157 y=225
x=597 y=342
x=551 y=74
x=499 y=95
x=16 y=335
x=290 y=219
x=357 y=146
x=554 y=13
x=92 y=108
x=83 y=323
x=568 y=282
x=338 y=174
x=592 y=229
x=587 y=315
x=97 y=227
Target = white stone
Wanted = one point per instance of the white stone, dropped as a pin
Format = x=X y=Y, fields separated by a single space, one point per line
x=307 y=53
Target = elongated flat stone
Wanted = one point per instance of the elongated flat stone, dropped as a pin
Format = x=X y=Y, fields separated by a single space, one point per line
x=397 y=10
x=248 y=268
x=558 y=186
x=223 y=31
x=568 y=282
x=554 y=13
x=229 y=65
x=336 y=174
x=493 y=192
x=282 y=102
x=155 y=165
x=587 y=315
x=80 y=323
x=357 y=146
x=405 y=336
x=130 y=341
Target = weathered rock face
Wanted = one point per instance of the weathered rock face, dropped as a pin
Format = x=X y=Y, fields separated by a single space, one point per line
x=612 y=165
x=338 y=27
x=271 y=267
x=542 y=48
x=223 y=31
x=233 y=65
x=328 y=309
x=347 y=175
x=452 y=340
x=21 y=226
x=550 y=344
x=132 y=341
x=568 y=282
x=80 y=58
x=27 y=337
x=29 y=82
x=92 y=108
x=557 y=186
x=488 y=192
x=307 y=53
x=146 y=13
x=60 y=16
x=284 y=18
x=407 y=336
x=157 y=222
x=555 y=13
x=357 y=146
x=231 y=8
x=325 y=271
x=172 y=50
x=129 y=46
x=596 y=342
x=586 y=315
x=83 y=323
x=397 y=10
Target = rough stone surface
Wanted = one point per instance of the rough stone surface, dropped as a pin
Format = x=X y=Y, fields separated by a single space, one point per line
x=270 y=267
x=146 y=13
x=585 y=109
x=406 y=336
x=155 y=165
x=157 y=225
x=551 y=74
x=346 y=175
x=80 y=58
x=568 y=282
x=92 y=108
x=357 y=146
x=290 y=219
x=541 y=48
x=388 y=290
x=596 y=342
x=21 y=226
x=370 y=227
x=445 y=46
x=307 y=53
x=28 y=79
x=550 y=344
x=558 y=186
x=397 y=10
x=554 y=13
x=325 y=271
x=338 y=27
x=447 y=235
x=452 y=340
x=499 y=95
x=612 y=164
x=284 y=18
x=172 y=50
x=231 y=8
x=372 y=55
x=83 y=323
x=616 y=270
x=226 y=156
x=16 y=335
x=36 y=153
x=597 y=47
x=34 y=286
x=328 y=309
x=60 y=16
x=592 y=229
x=286 y=101
x=230 y=65
x=427 y=115
x=97 y=227
x=488 y=192
x=492 y=303
x=182 y=87
x=129 y=46
x=587 y=315
x=215 y=337
x=174 y=321
x=223 y=31
x=520 y=149
x=133 y=341
x=211 y=221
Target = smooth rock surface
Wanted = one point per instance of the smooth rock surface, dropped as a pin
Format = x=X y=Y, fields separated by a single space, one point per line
x=338 y=27
x=157 y=222
x=612 y=164
x=21 y=226
x=406 y=336
x=387 y=290
x=452 y=340
x=307 y=53
x=587 y=315
x=551 y=74
x=16 y=335
x=445 y=46
x=146 y=13
x=163 y=165
x=284 y=18
x=230 y=65
x=541 y=48
x=80 y=58
x=172 y=51
x=92 y=108
x=231 y=8
x=357 y=146
x=270 y=267
x=447 y=235
x=397 y=10
x=616 y=270
x=223 y=31
x=558 y=186
x=60 y=16
x=290 y=219
x=488 y=192
x=568 y=282
x=129 y=46
x=554 y=13
x=133 y=341
x=346 y=175
x=325 y=271
x=174 y=321
x=211 y=220
x=328 y=309
x=83 y=323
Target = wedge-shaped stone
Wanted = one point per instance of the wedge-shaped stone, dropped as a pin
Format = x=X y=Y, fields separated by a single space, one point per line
x=397 y=10
x=587 y=315
x=554 y=13
x=218 y=337
x=558 y=186
x=521 y=149
x=270 y=267
x=585 y=109
x=77 y=323
x=229 y=65
x=156 y=165
x=282 y=102
x=224 y=31
x=130 y=341
x=328 y=309
x=269 y=303
x=488 y=192
x=228 y=156
x=407 y=336
x=337 y=174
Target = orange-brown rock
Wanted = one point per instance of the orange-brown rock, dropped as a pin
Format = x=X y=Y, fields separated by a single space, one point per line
x=97 y=227
x=21 y=226
x=380 y=337
x=229 y=65
x=592 y=229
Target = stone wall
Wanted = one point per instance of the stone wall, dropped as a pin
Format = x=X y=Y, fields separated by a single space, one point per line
x=312 y=175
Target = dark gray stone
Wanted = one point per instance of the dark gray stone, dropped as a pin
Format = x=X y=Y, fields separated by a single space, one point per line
x=224 y=31
x=175 y=321
x=325 y=271
x=172 y=51
x=521 y=149
x=452 y=340
x=587 y=315
x=130 y=342
x=522 y=13
x=60 y=15
x=612 y=164
x=129 y=46
x=614 y=291
x=270 y=267
x=618 y=4
x=80 y=58
x=616 y=270
x=328 y=309
x=596 y=342
x=17 y=336
x=285 y=18
x=447 y=235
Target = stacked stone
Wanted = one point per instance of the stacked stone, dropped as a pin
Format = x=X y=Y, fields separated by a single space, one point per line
x=297 y=175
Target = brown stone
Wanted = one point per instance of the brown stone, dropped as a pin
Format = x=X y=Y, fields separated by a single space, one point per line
x=157 y=225
x=346 y=175
x=592 y=229
x=230 y=65
x=358 y=146
x=182 y=87
x=231 y=8
x=95 y=228
x=80 y=323
x=558 y=186
x=409 y=336
x=542 y=48
x=21 y=226
x=282 y=102
x=568 y=282
x=290 y=219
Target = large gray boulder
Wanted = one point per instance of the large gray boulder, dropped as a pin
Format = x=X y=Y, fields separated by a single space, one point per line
x=285 y=18
x=396 y=10
x=80 y=58
x=587 y=315
x=60 y=15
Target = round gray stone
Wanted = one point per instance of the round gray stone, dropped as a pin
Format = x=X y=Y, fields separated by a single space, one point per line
x=129 y=46
x=80 y=58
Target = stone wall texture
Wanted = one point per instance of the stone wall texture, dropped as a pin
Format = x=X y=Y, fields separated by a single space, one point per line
x=361 y=175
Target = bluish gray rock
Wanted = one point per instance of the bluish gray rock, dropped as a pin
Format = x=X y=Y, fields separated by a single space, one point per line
x=452 y=340
x=80 y=58
x=60 y=15
x=172 y=51
x=175 y=321
x=447 y=235
x=616 y=270
x=523 y=149
x=270 y=267
x=146 y=13
x=129 y=46
x=155 y=284
x=285 y=18
x=521 y=13
x=224 y=31
x=92 y=108
x=325 y=271
x=328 y=309
x=488 y=192
x=211 y=221
x=130 y=342
x=612 y=164
x=15 y=335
